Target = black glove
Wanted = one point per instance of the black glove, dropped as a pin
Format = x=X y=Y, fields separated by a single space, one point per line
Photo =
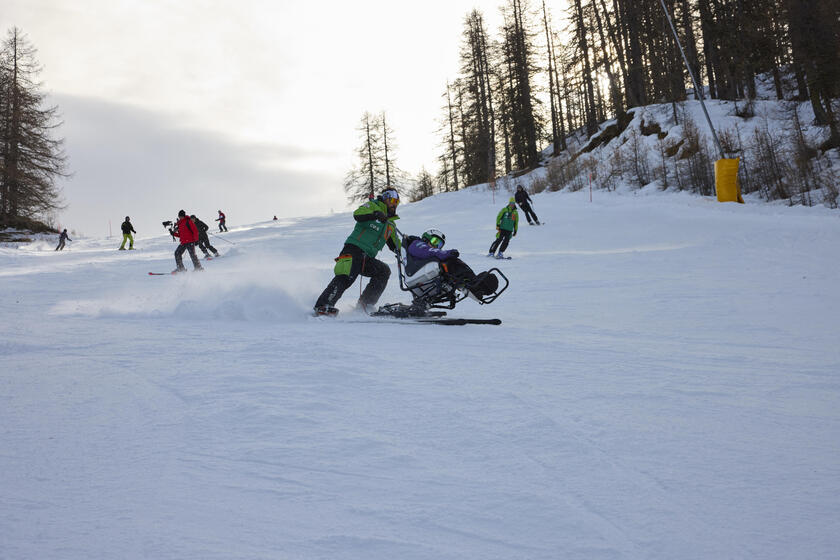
x=380 y=216
x=454 y=254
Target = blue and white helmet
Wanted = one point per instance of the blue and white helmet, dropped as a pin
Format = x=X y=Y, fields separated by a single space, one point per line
x=390 y=197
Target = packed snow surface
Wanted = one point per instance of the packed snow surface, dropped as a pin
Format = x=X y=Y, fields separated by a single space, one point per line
x=665 y=384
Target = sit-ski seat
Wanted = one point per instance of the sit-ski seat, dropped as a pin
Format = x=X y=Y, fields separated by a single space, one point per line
x=431 y=286
x=423 y=277
x=425 y=273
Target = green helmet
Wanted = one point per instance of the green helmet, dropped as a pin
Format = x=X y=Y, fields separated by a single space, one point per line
x=435 y=238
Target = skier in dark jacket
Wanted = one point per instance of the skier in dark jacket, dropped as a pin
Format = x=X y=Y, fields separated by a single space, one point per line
x=374 y=229
x=61 y=239
x=429 y=246
x=203 y=239
x=188 y=233
x=127 y=230
x=524 y=201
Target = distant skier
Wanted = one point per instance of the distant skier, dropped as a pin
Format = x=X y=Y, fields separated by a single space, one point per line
x=507 y=222
x=524 y=202
x=203 y=239
x=221 y=220
x=188 y=234
x=127 y=230
x=374 y=228
x=61 y=239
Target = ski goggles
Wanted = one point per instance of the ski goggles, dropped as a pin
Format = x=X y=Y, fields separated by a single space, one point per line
x=390 y=197
x=436 y=242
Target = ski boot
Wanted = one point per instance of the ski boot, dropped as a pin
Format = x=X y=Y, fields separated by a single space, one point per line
x=326 y=311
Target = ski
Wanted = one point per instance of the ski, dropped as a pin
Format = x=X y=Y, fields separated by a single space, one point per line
x=452 y=321
x=458 y=321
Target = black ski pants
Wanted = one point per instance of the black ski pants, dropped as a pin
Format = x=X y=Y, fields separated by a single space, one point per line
x=529 y=213
x=180 y=251
x=460 y=271
x=501 y=241
x=363 y=265
x=204 y=244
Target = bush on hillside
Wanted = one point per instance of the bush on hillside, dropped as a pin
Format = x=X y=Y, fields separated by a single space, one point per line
x=25 y=224
x=571 y=174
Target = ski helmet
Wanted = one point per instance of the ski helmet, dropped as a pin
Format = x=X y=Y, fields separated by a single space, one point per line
x=127 y=219
x=181 y=213
x=390 y=197
x=435 y=238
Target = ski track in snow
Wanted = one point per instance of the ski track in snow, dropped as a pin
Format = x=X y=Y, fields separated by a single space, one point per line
x=664 y=385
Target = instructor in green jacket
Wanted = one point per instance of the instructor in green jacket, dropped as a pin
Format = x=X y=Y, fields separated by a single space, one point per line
x=507 y=222
x=374 y=228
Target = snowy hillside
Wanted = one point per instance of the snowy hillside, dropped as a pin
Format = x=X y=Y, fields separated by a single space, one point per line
x=783 y=155
x=665 y=384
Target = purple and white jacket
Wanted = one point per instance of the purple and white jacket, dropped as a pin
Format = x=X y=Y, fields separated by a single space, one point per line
x=419 y=249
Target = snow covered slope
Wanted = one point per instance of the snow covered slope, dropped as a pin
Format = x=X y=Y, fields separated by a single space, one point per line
x=665 y=384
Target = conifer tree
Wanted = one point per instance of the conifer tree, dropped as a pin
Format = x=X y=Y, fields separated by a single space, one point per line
x=478 y=150
x=364 y=179
x=376 y=168
x=517 y=52
x=31 y=157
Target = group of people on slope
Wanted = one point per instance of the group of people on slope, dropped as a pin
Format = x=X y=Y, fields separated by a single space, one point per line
x=191 y=232
x=507 y=222
x=375 y=229
x=128 y=229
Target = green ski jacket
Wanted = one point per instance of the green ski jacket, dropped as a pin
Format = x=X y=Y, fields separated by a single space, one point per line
x=370 y=235
x=508 y=219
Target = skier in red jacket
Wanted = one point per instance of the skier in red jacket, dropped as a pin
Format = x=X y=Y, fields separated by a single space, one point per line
x=187 y=231
x=221 y=220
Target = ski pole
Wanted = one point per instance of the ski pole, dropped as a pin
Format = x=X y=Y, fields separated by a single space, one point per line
x=222 y=238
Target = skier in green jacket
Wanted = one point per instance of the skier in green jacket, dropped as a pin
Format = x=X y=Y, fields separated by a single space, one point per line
x=374 y=229
x=507 y=222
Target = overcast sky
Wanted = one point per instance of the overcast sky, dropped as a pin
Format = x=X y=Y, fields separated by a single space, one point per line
x=249 y=106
